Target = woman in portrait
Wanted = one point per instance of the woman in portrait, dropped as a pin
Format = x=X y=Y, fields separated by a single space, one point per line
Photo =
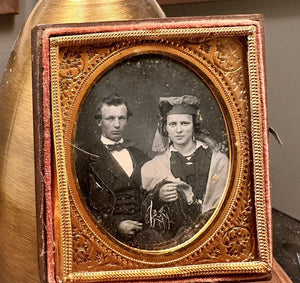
x=186 y=181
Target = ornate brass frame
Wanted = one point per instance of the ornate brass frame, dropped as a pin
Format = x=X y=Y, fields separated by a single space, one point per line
x=227 y=53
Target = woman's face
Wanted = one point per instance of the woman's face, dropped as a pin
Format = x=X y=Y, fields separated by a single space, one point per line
x=180 y=128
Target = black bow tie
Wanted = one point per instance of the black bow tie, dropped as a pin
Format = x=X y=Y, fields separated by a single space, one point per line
x=116 y=146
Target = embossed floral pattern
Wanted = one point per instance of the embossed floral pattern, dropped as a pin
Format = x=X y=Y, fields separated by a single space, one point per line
x=215 y=252
x=237 y=241
x=228 y=55
x=72 y=64
x=81 y=246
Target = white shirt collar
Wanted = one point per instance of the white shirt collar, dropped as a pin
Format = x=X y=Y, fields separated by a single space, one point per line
x=198 y=144
x=106 y=140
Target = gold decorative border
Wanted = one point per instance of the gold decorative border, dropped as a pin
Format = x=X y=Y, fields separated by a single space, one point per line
x=174 y=272
x=62 y=180
x=66 y=197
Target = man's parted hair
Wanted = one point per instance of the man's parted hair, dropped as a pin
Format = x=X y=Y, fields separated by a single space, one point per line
x=113 y=99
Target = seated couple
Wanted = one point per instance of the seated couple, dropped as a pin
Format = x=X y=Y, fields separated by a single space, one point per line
x=151 y=204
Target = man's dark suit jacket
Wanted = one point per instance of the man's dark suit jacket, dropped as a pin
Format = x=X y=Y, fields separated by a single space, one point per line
x=110 y=194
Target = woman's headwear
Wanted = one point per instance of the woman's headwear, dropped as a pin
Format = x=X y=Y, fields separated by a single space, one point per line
x=186 y=104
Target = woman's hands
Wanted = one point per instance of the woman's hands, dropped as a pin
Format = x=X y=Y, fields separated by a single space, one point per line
x=168 y=192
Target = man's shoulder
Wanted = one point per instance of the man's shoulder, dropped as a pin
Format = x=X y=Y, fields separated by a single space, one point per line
x=138 y=153
x=89 y=152
x=135 y=149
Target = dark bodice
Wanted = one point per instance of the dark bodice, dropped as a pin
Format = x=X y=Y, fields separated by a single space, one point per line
x=194 y=171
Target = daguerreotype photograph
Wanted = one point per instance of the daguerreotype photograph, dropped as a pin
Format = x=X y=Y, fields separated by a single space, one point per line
x=152 y=141
x=152 y=154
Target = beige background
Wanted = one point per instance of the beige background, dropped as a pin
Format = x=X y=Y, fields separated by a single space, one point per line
x=282 y=24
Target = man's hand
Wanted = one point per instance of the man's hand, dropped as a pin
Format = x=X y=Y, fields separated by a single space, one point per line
x=128 y=228
x=168 y=192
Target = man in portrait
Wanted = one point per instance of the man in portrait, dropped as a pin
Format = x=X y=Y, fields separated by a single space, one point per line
x=109 y=173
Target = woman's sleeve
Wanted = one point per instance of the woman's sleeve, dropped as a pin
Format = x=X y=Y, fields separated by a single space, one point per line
x=149 y=175
x=217 y=180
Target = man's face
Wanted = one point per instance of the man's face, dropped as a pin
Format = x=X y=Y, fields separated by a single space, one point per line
x=113 y=122
x=180 y=128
